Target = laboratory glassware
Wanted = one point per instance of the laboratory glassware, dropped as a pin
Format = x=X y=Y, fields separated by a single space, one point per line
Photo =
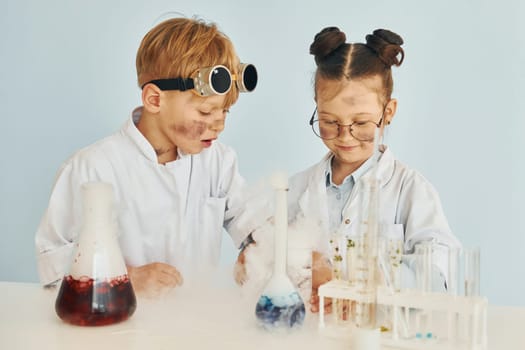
x=280 y=305
x=97 y=290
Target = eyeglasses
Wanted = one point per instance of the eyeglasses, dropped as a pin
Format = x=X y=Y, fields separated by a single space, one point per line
x=216 y=80
x=329 y=129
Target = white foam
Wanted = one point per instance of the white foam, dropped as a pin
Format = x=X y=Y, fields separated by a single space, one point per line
x=303 y=237
x=222 y=316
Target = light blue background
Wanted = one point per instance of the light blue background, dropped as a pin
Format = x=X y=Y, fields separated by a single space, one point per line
x=67 y=79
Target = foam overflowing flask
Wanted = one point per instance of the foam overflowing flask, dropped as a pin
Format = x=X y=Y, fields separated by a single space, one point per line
x=280 y=305
x=96 y=290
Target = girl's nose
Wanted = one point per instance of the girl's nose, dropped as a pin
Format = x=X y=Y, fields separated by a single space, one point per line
x=344 y=132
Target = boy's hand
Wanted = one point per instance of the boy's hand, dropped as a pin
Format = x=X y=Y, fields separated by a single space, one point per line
x=154 y=279
x=239 y=270
x=321 y=273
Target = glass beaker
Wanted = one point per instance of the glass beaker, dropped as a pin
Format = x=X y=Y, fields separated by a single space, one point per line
x=96 y=291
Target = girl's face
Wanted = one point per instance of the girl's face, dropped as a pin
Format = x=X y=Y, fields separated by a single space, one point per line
x=190 y=122
x=355 y=101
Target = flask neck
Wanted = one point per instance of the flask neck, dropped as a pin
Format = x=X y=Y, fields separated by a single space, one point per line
x=97 y=217
x=97 y=206
x=98 y=254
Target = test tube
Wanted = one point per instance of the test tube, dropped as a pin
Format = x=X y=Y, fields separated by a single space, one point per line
x=351 y=260
x=337 y=273
x=423 y=252
x=390 y=253
x=395 y=253
x=364 y=312
x=472 y=275
x=452 y=289
x=453 y=271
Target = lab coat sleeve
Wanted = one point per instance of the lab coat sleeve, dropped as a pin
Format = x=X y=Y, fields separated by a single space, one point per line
x=422 y=215
x=246 y=208
x=60 y=224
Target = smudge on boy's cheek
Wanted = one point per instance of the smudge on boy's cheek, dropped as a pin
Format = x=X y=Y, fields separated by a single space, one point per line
x=192 y=130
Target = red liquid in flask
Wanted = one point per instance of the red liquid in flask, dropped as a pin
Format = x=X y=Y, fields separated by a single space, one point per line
x=86 y=302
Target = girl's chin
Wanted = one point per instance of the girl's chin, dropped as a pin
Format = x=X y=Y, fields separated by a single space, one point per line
x=345 y=159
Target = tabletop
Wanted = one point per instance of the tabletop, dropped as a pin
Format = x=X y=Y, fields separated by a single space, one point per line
x=189 y=318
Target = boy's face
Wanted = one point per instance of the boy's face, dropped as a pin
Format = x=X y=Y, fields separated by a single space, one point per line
x=356 y=101
x=190 y=122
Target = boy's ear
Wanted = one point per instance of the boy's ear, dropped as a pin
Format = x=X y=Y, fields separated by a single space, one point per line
x=390 y=111
x=151 y=98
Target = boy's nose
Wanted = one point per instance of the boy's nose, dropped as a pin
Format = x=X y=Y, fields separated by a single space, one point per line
x=217 y=125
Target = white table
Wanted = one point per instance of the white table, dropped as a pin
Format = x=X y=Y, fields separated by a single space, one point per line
x=188 y=318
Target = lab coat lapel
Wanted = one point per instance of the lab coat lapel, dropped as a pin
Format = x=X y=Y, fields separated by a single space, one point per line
x=313 y=202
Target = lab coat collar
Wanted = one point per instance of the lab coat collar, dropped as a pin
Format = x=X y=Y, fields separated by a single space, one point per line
x=385 y=166
x=316 y=185
x=130 y=129
x=385 y=171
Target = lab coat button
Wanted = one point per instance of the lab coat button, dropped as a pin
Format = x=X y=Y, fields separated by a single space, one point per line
x=347 y=221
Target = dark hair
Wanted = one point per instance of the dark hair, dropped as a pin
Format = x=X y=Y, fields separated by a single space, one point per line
x=337 y=60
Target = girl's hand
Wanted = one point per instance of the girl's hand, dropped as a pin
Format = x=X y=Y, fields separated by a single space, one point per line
x=321 y=273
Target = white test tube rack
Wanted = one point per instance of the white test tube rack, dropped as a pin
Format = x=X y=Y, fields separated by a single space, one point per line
x=471 y=311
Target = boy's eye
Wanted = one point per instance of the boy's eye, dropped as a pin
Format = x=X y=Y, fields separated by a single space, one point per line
x=204 y=113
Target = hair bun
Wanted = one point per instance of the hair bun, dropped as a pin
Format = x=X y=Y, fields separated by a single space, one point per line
x=387 y=45
x=326 y=41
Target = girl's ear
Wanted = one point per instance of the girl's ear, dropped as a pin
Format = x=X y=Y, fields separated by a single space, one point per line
x=390 y=111
x=151 y=98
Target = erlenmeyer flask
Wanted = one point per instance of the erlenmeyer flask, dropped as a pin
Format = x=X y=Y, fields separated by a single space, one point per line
x=96 y=291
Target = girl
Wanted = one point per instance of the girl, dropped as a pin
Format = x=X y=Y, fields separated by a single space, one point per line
x=353 y=88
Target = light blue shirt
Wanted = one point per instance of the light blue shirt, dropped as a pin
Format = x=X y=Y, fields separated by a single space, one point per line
x=337 y=195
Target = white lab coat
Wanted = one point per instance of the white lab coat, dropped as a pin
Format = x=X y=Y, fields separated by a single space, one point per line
x=171 y=213
x=410 y=208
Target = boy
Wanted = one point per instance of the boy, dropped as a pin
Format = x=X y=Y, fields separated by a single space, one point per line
x=175 y=185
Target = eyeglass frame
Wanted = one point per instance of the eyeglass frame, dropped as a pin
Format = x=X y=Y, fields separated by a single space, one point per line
x=339 y=126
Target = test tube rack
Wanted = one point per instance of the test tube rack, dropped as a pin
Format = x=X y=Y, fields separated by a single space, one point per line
x=457 y=322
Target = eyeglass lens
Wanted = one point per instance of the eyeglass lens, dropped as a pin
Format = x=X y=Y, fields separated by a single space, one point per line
x=329 y=130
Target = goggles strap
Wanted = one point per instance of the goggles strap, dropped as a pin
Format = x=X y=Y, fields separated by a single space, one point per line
x=173 y=84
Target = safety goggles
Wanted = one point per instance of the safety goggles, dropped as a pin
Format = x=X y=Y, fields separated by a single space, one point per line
x=216 y=80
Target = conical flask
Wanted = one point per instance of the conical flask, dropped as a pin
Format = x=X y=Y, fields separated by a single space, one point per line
x=96 y=290
x=280 y=305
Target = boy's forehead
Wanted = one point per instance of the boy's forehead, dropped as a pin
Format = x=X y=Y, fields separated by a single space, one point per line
x=212 y=102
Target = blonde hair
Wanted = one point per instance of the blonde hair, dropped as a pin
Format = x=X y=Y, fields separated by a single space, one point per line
x=178 y=47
